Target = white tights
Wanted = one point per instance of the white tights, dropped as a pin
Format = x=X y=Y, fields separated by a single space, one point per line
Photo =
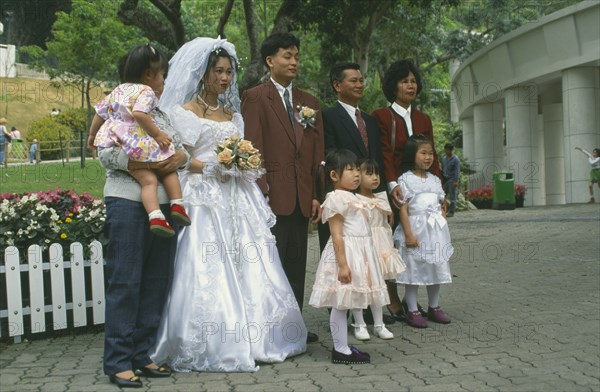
x=338 y=323
x=377 y=313
x=410 y=295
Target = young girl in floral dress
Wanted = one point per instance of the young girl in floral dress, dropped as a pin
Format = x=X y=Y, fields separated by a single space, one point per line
x=124 y=118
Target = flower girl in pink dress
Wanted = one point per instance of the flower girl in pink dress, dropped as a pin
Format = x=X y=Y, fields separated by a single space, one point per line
x=349 y=275
x=379 y=211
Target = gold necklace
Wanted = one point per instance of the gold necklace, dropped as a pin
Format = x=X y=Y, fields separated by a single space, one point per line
x=201 y=101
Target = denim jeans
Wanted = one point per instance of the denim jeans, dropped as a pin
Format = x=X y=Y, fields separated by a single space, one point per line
x=138 y=271
x=452 y=193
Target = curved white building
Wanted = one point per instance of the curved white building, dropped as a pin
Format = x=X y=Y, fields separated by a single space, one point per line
x=529 y=98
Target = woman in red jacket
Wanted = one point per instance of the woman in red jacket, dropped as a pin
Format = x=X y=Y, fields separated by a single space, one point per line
x=397 y=122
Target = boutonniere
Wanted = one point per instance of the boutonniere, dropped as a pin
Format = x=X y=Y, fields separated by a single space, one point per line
x=306 y=116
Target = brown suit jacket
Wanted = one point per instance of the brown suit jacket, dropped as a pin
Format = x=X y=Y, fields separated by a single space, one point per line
x=291 y=155
x=392 y=156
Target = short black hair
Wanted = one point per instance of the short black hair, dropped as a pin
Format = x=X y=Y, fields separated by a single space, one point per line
x=396 y=72
x=271 y=45
x=337 y=72
x=449 y=146
x=370 y=166
x=337 y=160
x=138 y=60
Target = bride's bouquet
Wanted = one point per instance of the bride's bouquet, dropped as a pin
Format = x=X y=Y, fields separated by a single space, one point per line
x=238 y=158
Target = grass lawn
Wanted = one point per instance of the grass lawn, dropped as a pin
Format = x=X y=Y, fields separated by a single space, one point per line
x=53 y=175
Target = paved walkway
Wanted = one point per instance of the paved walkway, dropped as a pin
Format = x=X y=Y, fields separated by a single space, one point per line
x=525 y=317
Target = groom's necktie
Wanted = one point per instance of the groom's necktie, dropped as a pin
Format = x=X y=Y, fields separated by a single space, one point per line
x=288 y=106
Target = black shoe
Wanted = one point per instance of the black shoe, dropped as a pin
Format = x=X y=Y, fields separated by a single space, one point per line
x=354 y=358
x=398 y=316
x=133 y=382
x=419 y=308
x=387 y=320
x=161 y=371
x=311 y=337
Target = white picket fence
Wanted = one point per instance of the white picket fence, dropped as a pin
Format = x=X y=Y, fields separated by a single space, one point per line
x=37 y=309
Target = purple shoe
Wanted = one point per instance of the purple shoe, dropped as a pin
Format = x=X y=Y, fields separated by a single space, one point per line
x=437 y=315
x=354 y=358
x=414 y=319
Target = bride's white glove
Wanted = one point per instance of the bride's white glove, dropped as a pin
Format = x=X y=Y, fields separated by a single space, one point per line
x=210 y=169
x=224 y=174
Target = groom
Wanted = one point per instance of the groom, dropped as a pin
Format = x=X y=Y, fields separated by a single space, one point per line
x=291 y=150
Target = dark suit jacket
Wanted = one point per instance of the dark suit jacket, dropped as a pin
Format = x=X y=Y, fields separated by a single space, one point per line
x=291 y=155
x=392 y=155
x=341 y=132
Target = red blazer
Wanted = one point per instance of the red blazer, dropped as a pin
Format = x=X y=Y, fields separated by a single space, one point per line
x=291 y=155
x=392 y=158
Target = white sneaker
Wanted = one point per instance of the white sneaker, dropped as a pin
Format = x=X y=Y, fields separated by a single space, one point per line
x=382 y=332
x=361 y=333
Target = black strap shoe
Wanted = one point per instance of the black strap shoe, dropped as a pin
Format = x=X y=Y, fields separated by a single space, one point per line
x=133 y=382
x=161 y=371
x=311 y=337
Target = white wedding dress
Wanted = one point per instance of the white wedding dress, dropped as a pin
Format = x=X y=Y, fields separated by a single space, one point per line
x=230 y=303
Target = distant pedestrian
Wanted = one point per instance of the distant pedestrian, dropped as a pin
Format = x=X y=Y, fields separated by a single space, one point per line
x=594 y=160
x=5 y=138
x=451 y=173
x=33 y=151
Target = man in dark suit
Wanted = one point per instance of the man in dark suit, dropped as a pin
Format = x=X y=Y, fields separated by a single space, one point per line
x=291 y=142
x=346 y=126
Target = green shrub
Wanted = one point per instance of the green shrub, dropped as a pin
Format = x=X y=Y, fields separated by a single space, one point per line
x=75 y=119
x=49 y=134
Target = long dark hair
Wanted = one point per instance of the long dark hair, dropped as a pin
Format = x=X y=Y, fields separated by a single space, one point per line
x=336 y=160
x=410 y=151
x=213 y=58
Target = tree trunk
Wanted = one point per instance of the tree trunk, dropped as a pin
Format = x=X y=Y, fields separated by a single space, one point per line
x=255 y=69
x=170 y=35
x=284 y=18
x=224 y=18
x=281 y=24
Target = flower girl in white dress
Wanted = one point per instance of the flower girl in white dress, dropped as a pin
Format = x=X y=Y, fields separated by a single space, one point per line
x=422 y=237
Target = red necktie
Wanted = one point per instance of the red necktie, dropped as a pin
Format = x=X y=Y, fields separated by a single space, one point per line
x=362 y=129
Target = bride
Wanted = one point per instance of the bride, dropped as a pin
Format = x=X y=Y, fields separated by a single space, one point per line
x=230 y=304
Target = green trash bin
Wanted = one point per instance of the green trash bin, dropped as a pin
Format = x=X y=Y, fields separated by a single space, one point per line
x=503 y=193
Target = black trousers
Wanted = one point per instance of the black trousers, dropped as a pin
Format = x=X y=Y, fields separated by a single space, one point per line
x=291 y=234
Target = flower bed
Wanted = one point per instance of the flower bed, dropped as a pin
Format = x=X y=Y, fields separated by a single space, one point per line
x=482 y=197
x=42 y=218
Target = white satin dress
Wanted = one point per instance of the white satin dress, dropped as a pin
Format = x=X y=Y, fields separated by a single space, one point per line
x=230 y=304
x=429 y=263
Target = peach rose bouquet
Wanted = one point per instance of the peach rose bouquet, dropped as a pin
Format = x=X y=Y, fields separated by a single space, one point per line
x=238 y=157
